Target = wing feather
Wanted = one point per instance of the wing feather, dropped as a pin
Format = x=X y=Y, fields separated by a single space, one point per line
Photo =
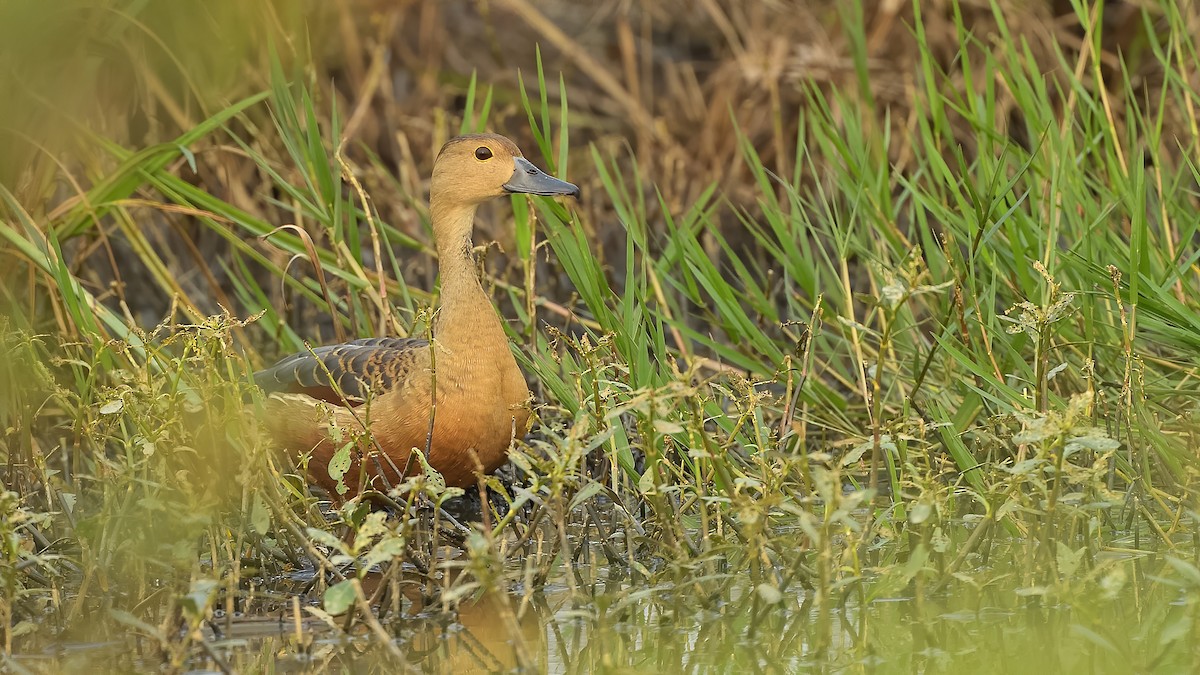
x=355 y=369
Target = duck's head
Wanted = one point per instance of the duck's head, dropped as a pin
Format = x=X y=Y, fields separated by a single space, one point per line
x=472 y=169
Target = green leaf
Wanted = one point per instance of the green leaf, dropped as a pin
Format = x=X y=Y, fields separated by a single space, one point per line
x=260 y=515
x=339 y=597
x=112 y=407
x=769 y=593
x=326 y=539
x=387 y=549
x=339 y=464
x=585 y=493
x=199 y=595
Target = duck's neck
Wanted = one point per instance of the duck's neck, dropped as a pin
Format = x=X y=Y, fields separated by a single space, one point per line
x=466 y=319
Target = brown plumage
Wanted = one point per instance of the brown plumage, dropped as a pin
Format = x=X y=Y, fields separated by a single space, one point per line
x=388 y=385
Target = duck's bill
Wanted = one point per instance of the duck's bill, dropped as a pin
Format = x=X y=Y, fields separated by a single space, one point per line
x=528 y=179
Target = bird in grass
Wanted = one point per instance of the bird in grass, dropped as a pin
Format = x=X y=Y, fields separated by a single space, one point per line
x=459 y=397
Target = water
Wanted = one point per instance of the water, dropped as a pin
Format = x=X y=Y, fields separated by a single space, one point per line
x=1129 y=612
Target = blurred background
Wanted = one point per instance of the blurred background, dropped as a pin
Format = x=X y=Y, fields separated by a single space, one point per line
x=671 y=87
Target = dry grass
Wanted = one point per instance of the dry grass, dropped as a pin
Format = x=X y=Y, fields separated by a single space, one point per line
x=666 y=84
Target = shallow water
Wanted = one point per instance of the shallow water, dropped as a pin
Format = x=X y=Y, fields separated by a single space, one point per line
x=1125 y=615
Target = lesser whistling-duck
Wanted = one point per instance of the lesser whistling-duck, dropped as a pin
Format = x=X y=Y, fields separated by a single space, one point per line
x=481 y=396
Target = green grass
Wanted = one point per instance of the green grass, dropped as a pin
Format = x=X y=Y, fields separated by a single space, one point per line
x=967 y=379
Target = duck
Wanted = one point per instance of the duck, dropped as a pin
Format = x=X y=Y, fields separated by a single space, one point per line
x=458 y=397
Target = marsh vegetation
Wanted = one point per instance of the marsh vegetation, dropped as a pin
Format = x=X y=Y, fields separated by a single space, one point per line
x=871 y=345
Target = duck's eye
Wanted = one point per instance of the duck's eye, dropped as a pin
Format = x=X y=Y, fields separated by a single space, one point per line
x=483 y=152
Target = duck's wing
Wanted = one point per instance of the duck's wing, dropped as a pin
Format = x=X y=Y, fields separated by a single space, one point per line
x=345 y=373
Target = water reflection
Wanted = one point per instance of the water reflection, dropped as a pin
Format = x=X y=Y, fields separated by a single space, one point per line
x=1135 y=621
x=495 y=633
